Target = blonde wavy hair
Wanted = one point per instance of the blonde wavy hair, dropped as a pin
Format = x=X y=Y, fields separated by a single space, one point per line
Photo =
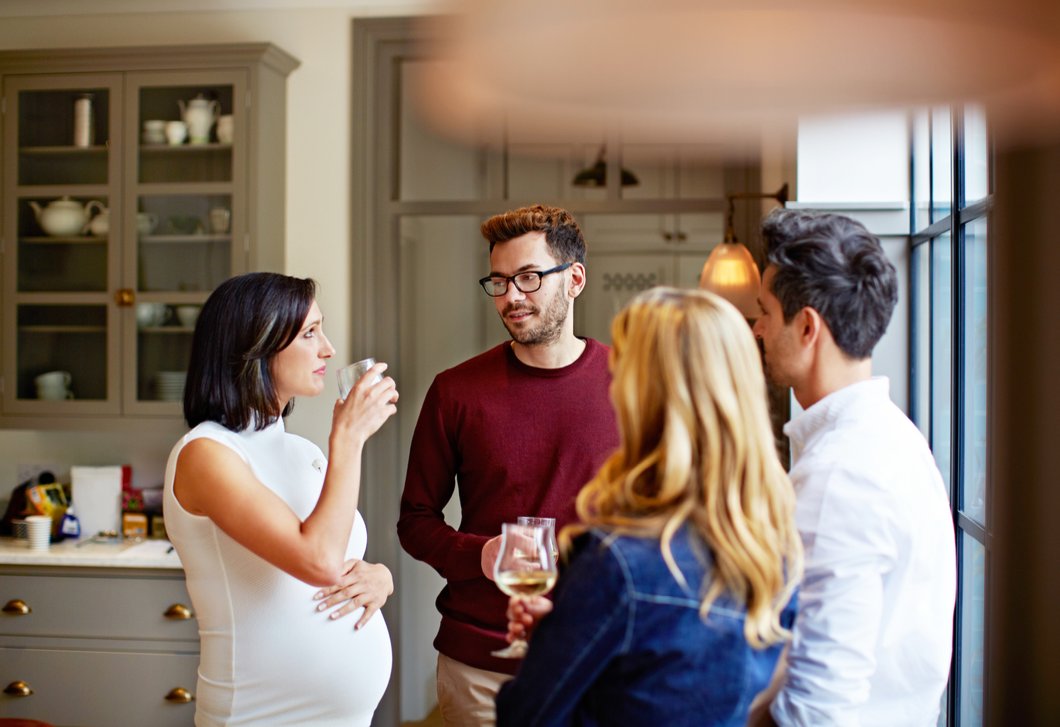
x=697 y=446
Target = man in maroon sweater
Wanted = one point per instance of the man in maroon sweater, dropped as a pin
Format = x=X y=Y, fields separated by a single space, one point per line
x=520 y=429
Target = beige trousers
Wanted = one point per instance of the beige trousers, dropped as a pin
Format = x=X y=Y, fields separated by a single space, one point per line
x=466 y=695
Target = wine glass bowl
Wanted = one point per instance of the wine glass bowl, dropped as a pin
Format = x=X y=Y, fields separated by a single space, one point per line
x=524 y=568
x=548 y=522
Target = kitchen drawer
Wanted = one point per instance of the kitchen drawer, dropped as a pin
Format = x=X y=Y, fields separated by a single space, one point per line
x=96 y=607
x=98 y=688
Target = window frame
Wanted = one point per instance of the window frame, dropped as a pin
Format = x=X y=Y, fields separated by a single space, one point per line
x=956 y=224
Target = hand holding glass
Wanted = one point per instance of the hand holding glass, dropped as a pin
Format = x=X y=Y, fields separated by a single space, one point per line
x=524 y=568
x=350 y=375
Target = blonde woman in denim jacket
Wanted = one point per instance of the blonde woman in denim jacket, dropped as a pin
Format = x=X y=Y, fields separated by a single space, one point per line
x=679 y=591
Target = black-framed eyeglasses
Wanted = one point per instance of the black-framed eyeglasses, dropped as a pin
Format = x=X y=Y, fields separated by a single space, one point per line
x=528 y=282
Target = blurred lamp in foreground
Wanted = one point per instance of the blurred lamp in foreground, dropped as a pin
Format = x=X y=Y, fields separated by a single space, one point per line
x=730 y=270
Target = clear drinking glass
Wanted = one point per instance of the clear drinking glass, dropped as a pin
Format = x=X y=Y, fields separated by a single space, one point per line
x=547 y=522
x=350 y=375
x=524 y=568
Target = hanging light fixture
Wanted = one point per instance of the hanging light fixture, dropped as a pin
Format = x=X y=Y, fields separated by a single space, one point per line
x=596 y=175
x=730 y=271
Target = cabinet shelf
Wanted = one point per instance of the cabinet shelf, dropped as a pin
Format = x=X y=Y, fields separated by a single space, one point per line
x=166 y=329
x=63 y=239
x=63 y=149
x=62 y=329
x=183 y=148
x=184 y=238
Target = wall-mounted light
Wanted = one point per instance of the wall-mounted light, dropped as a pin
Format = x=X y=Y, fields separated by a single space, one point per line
x=596 y=175
x=730 y=271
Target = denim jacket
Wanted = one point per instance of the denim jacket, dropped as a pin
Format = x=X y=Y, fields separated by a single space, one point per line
x=625 y=644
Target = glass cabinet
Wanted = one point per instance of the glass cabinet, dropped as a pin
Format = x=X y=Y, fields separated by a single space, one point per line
x=127 y=199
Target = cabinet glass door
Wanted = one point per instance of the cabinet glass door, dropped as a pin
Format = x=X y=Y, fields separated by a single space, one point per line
x=62 y=168
x=186 y=136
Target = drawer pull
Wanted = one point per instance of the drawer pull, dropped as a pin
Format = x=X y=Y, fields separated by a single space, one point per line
x=178 y=612
x=17 y=607
x=18 y=689
x=180 y=695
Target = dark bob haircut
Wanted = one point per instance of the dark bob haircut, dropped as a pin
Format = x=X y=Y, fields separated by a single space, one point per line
x=834 y=265
x=246 y=321
x=562 y=234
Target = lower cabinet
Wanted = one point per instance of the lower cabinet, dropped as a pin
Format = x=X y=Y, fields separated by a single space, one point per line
x=104 y=688
x=97 y=647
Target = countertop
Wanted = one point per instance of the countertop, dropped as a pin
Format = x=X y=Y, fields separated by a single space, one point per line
x=128 y=554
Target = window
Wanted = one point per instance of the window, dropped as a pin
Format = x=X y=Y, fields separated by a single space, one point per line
x=950 y=224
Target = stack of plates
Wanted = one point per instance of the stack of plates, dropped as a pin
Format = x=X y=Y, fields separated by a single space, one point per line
x=170 y=385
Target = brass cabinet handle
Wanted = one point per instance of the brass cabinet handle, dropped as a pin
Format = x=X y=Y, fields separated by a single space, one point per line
x=17 y=607
x=178 y=612
x=18 y=689
x=124 y=297
x=180 y=695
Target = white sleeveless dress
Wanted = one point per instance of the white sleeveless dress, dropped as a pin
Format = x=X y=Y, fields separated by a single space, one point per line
x=268 y=656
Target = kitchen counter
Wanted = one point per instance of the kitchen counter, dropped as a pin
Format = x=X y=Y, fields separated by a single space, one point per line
x=129 y=554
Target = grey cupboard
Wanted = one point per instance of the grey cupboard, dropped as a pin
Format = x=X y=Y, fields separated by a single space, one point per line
x=97 y=647
x=112 y=236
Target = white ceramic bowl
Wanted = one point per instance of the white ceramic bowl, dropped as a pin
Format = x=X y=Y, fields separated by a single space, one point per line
x=149 y=315
x=188 y=314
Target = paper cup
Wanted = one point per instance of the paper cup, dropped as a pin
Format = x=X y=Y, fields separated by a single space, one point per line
x=40 y=531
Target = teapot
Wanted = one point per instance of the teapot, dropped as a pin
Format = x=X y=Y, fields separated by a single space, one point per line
x=64 y=217
x=200 y=115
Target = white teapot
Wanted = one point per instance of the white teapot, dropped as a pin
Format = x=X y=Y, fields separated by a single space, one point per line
x=200 y=115
x=64 y=217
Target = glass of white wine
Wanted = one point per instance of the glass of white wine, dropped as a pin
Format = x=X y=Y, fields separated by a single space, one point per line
x=548 y=522
x=525 y=567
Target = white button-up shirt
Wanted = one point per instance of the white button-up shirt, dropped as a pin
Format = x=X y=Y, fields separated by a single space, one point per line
x=873 y=638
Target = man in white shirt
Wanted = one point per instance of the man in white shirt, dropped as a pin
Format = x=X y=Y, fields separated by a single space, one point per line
x=873 y=638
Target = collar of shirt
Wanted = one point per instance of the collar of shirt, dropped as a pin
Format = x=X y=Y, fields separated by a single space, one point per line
x=827 y=411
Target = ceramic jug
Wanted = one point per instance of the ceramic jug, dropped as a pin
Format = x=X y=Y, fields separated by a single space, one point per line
x=100 y=224
x=62 y=217
x=200 y=115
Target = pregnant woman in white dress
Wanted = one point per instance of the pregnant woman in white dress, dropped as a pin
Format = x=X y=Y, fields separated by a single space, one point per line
x=266 y=527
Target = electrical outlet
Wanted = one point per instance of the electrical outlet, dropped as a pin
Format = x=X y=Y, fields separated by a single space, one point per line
x=29 y=471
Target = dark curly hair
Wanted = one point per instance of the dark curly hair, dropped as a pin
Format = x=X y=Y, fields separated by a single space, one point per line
x=245 y=322
x=562 y=234
x=834 y=265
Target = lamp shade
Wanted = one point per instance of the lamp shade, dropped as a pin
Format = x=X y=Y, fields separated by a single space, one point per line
x=730 y=272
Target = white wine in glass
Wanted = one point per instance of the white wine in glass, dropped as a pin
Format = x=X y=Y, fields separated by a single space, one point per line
x=524 y=568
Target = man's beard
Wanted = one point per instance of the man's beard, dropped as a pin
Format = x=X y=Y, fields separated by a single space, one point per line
x=549 y=327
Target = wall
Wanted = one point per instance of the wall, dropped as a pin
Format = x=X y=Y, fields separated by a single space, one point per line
x=858 y=165
x=318 y=169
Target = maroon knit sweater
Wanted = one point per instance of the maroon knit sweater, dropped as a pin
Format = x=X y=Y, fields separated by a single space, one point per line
x=519 y=440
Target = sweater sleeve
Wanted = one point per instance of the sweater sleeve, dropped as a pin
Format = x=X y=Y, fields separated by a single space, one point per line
x=429 y=484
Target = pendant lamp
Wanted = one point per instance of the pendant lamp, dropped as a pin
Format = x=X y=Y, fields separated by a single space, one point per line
x=730 y=271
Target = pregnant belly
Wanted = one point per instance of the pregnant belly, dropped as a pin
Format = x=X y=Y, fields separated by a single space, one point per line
x=299 y=669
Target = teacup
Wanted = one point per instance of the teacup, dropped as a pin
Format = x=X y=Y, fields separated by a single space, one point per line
x=176 y=132
x=146 y=222
x=54 y=386
x=219 y=220
x=225 y=129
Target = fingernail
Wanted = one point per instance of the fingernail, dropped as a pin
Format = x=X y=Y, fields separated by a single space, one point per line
x=318 y=596
x=321 y=607
x=335 y=615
